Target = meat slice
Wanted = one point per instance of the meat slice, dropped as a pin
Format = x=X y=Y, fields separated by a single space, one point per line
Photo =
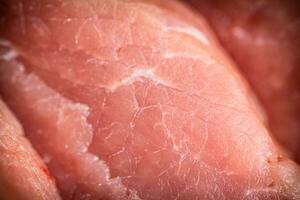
x=23 y=175
x=136 y=100
x=263 y=38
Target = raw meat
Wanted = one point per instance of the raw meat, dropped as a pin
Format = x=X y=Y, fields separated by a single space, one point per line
x=136 y=100
x=23 y=175
x=263 y=38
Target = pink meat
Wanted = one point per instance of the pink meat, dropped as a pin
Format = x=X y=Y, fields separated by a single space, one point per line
x=136 y=100
x=23 y=175
x=263 y=38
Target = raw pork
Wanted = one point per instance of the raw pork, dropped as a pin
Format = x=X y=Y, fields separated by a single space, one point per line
x=23 y=175
x=263 y=38
x=136 y=100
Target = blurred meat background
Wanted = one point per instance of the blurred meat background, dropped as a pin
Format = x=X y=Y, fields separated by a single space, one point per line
x=263 y=37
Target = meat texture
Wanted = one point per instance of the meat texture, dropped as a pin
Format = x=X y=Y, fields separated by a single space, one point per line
x=23 y=175
x=136 y=100
x=263 y=38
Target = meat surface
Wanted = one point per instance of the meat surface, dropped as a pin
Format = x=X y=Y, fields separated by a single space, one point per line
x=263 y=38
x=23 y=175
x=136 y=100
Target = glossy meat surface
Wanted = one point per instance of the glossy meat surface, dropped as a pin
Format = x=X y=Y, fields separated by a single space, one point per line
x=263 y=38
x=136 y=100
x=23 y=175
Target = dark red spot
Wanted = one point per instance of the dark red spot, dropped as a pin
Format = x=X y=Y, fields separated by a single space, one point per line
x=46 y=171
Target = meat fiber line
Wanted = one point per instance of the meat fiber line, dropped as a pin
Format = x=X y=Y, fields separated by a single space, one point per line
x=149 y=100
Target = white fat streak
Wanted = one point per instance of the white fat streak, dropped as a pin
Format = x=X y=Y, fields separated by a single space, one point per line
x=205 y=58
x=179 y=54
x=9 y=55
x=136 y=75
x=194 y=32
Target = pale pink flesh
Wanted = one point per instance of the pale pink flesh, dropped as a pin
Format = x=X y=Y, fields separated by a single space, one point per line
x=263 y=38
x=23 y=175
x=134 y=100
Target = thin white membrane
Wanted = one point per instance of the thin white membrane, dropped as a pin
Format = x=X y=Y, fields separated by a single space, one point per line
x=70 y=120
x=65 y=114
x=191 y=31
x=11 y=54
x=137 y=75
x=23 y=174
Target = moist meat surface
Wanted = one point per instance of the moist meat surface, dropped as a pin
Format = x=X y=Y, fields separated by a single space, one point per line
x=23 y=175
x=263 y=38
x=136 y=100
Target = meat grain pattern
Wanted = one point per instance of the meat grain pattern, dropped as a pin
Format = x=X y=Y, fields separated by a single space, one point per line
x=23 y=175
x=263 y=38
x=136 y=100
